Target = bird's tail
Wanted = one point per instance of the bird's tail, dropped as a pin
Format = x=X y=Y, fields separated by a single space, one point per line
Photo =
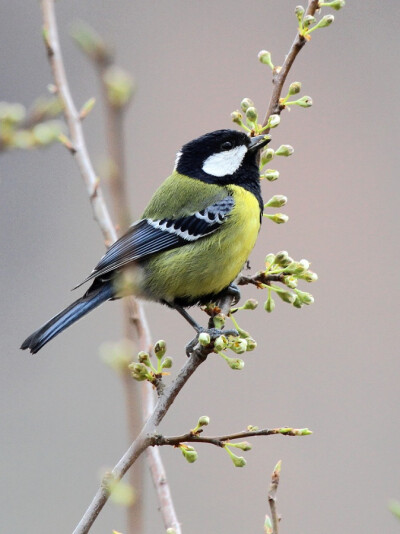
x=64 y=319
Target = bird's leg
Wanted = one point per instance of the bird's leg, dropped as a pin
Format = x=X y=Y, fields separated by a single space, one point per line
x=212 y=332
x=233 y=291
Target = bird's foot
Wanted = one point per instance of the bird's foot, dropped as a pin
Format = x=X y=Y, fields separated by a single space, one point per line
x=214 y=333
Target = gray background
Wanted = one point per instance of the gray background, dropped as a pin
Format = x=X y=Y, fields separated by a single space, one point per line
x=333 y=367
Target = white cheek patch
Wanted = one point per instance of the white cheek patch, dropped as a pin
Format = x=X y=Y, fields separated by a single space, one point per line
x=225 y=163
x=178 y=157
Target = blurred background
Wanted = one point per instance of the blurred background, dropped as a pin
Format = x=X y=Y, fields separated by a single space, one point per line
x=333 y=367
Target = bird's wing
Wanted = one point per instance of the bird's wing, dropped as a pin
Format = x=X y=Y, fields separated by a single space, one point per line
x=149 y=236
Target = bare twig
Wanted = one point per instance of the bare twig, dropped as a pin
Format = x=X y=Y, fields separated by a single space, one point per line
x=220 y=441
x=272 y=497
x=259 y=279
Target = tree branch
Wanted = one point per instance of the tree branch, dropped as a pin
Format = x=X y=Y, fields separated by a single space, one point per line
x=272 y=497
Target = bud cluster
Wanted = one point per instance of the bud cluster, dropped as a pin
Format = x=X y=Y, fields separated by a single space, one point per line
x=238 y=461
x=251 y=117
x=308 y=23
x=18 y=129
x=143 y=369
x=289 y=272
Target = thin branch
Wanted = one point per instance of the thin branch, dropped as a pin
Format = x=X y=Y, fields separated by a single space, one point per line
x=100 y=211
x=272 y=497
x=220 y=441
x=260 y=278
x=145 y=438
x=280 y=73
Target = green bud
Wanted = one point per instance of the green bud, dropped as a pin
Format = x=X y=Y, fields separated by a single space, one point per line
x=250 y=304
x=269 y=305
x=119 y=84
x=251 y=344
x=46 y=132
x=266 y=156
x=273 y=121
x=281 y=257
x=297 y=303
x=276 y=201
x=189 y=453
x=235 y=363
x=246 y=103
x=236 y=117
x=265 y=57
x=87 y=108
x=23 y=139
x=294 y=88
x=304 y=102
x=286 y=296
x=143 y=357
x=239 y=346
x=299 y=11
x=139 y=371
x=269 y=260
x=252 y=428
x=12 y=113
x=284 y=150
x=278 y=218
x=291 y=267
x=268 y=525
x=238 y=461
x=336 y=4
x=305 y=264
x=309 y=276
x=204 y=420
x=204 y=339
x=290 y=281
x=220 y=343
x=251 y=114
x=170 y=531
x=271 y=175
x=160 y=348
x=166 y=363
x=242 y=445
x=219 y=321
x=118 y=355
x=305 y=297
x=326 y=21
x=308 y=20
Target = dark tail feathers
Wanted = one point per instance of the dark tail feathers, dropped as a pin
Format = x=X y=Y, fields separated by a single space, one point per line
x=64 y=319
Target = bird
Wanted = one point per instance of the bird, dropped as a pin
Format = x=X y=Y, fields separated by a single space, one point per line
x=192 y=240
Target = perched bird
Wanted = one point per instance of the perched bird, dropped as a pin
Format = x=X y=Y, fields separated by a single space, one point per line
x=192 y=240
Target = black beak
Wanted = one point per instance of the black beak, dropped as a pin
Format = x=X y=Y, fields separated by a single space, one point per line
x=258 y=142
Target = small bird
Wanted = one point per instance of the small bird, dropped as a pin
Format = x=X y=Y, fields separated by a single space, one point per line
x=193 y=238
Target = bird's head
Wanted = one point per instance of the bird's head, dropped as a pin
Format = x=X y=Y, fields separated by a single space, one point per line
x=221 y=157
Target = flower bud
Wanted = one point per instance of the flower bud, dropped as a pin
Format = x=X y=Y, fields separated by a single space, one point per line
x=326 y=21
x=278 y=218
x=281 y=257
x=166 y=363
x=204 y=420
x=284 y=150
x=138 y=371
x=287 y=296
x=235 y=363
x=294 y=88
x=336 y=4
x=242 y=445
x=269 y=305
x=305 y=264
x=273 y=121
x=299 y=11
x=304 y=102
x=204 y=339
x=160 y=348
x=46 y=132
x=271 y=175
x=251 y=344
x=219 y=320
x=239 y=346
x=297 y=303
x=290 y=281
x=265 y=57
x=266 y=156
x=246 y=103
x=189 y=453
x=119 y=85
x=269 y=260
x=305 y=297
x=144 y=358
x=276 y=201
x=251 y=114
x=250 y=304
x=238 y=461
x=220 y=343
x=236 y=117
x=309 y=276
x=308 y=20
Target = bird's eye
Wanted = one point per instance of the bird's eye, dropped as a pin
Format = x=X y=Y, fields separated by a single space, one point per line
x=227 y=145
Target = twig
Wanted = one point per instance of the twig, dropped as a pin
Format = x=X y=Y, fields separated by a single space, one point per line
x=280 y=73
x=145 y=438
x=100 y=211
x=272 y=497
x=259 y=278
x=220 y=441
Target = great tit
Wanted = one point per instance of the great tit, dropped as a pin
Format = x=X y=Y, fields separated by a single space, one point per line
x=193 y=238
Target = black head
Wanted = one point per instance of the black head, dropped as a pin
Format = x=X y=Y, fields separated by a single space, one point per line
x=221 y=157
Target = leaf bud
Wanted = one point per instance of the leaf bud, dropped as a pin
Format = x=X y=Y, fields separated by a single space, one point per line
x=294 y=88
x=269 y=305
x=271 y=175
x=287 y=296
x=204 y=339
x=220 y=343
x=276 y=201
x=268 y=525
x=160 y=348
x=251 y=114
x=250 y=304
x=166 y=363
x=284 y=150
x=251 y=344
x=246 y=103
x=266 y=156
x=265 y=57
x=273 y=121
